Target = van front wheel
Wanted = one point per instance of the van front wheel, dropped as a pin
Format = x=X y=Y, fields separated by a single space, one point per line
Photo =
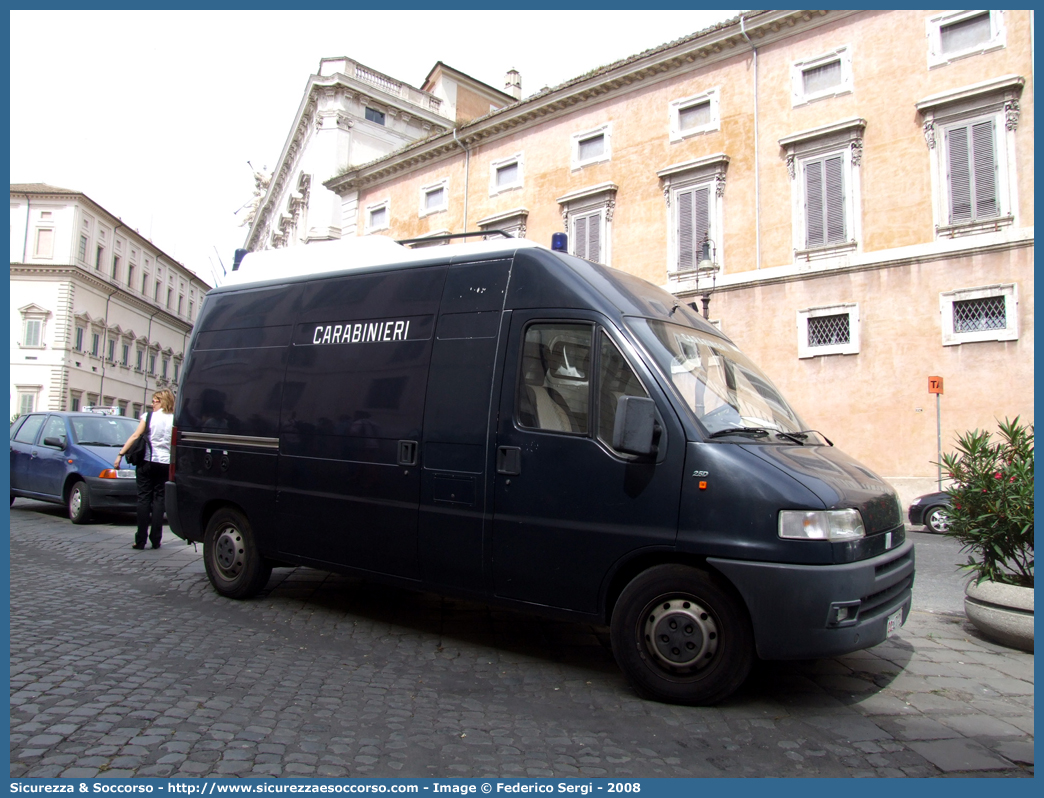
x=230 y=555
x=682 y=636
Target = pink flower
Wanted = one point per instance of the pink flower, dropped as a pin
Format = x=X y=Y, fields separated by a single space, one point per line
x=997 y=475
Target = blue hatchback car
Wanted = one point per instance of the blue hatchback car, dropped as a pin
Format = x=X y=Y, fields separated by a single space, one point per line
x=67 y=458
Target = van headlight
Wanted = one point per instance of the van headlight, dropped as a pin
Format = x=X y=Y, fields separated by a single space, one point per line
x=821 y=525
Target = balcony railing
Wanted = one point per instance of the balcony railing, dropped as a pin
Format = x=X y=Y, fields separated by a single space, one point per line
x=396 y=88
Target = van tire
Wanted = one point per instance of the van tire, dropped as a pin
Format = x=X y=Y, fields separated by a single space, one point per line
x=79 y=503
x=704 y=648
x=233 y=563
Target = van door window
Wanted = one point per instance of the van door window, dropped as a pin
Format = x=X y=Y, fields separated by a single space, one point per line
x=554 y=392
x=615 y=379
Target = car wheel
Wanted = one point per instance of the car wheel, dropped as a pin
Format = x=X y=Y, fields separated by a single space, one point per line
x=937 y=520
x=682 y=636
x=230 y=555
x=79 y=503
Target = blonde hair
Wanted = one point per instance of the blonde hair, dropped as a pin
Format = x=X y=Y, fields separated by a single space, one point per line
x=166 y=400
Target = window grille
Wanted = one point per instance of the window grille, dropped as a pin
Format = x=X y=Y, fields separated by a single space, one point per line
x=829 y=330
x=979 y=315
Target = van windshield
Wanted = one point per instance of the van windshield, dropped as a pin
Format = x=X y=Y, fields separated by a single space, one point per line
x=725 y=391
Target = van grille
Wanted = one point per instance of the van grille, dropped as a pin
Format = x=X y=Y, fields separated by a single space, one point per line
x=886 y=597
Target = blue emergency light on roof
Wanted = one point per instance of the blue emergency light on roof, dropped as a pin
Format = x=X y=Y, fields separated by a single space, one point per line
x=559 y=242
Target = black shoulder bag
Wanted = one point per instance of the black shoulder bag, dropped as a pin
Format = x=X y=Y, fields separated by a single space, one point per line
x=136 y=454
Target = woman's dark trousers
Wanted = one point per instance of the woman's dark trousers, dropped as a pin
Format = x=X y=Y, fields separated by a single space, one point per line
x=152 y=478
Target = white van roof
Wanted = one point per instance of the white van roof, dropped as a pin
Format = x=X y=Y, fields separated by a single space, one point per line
x=323 y=257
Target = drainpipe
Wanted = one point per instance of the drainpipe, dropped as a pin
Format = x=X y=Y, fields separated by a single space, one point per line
x=145 y=363
x=757 y=171
x=25 y=243
x=101 y=390
x=467 y=174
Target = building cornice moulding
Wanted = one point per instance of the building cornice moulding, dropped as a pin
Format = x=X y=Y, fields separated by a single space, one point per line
x=118 y=224
x=873 y=261
x=56 y=273
x=699 y=50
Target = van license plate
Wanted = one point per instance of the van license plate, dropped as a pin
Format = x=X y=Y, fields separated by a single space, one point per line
x=895 y=620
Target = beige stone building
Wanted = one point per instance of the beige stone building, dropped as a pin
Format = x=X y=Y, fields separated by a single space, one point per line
x=100 y=316
x=854 y=188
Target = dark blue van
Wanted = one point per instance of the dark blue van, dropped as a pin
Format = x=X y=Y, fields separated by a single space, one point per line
x=514 y=425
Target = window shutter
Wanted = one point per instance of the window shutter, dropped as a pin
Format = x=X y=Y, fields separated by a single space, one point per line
x=814 y=204
x=693 y=225
x=580 y=237
x=984 y=164
x=960 y=175
x=834 y=200
x=686 y=237
x=594 y=233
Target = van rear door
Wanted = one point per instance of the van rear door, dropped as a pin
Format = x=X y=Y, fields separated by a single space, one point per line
x=353 y=404
x=568 y=508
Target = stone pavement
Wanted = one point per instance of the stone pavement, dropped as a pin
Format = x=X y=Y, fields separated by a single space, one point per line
x=125 y=663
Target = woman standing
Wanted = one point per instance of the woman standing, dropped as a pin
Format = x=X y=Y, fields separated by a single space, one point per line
x=152 y=474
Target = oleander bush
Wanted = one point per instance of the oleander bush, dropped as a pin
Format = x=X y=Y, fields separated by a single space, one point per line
x=991 y=502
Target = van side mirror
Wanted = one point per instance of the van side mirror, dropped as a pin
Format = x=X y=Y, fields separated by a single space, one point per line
x=636 y=430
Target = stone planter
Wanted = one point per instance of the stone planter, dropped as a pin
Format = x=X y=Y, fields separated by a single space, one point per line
x=1004 y=613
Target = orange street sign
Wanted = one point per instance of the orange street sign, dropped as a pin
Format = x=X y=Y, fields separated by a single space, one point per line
x=935 y=385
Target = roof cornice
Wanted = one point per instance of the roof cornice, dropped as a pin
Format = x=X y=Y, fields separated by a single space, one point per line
x=73 y=272
x=700 y=49
x=78 y=196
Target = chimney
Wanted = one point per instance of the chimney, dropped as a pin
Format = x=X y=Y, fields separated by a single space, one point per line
x=513 y=84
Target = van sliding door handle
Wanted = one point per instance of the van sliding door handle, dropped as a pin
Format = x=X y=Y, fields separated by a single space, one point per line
x=407 y=453
x=509 y=460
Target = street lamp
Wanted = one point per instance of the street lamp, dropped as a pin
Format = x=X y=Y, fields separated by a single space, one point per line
x=707 y=267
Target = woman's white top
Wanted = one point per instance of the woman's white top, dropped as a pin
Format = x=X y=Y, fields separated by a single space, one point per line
x=159 y=436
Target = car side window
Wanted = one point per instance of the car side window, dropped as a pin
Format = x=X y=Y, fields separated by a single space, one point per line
x=616 y=378
x=554 y=389
x=27 y=432
x=54 y=428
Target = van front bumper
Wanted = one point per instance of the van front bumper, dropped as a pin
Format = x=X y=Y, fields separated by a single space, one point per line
x=810 y=611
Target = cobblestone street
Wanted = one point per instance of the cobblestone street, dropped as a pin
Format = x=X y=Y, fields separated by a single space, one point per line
x=126 y=663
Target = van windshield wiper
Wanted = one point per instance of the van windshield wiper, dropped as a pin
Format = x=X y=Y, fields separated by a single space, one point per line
x=800 y=435
x=756 y=432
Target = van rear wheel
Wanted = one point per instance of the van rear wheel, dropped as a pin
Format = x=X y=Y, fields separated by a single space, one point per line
x=682 y=636
x=233 y=563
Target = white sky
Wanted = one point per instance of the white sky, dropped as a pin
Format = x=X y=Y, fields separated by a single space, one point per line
x=155 y=114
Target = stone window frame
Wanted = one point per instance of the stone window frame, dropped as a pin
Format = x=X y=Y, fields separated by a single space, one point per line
x=606 y=130
x=586 y=202
x=439 y=185
x=997 y=99
x=1010 y=292
x=842 y=54
x=374 y=208
x=33 y=314
x=710 y=172
x=513 y=222
x=497 y=165
x=851 y=309
x=933 y=33
x=844 y=138
x=674 y=109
